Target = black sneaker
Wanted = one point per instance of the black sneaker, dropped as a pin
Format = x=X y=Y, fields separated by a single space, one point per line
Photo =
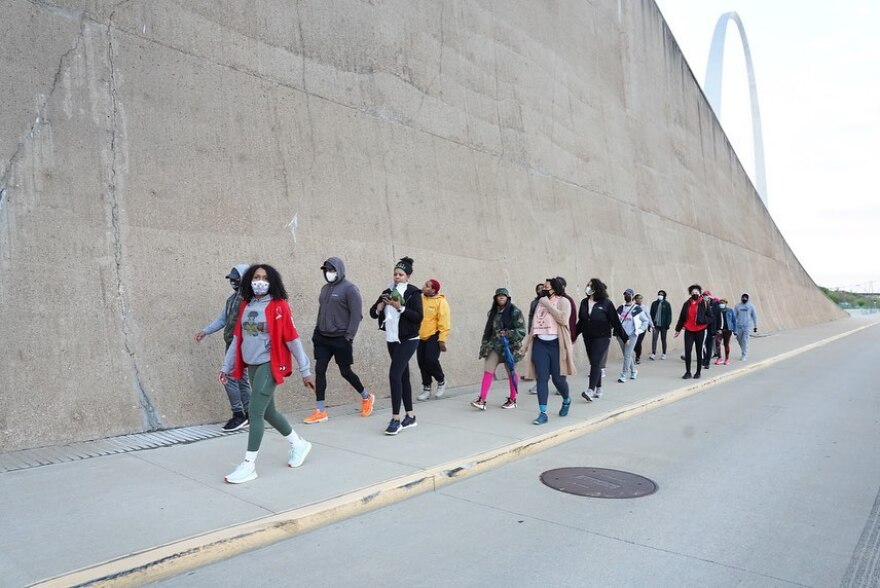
x=238 y=420
x=408 y=421
x=697 y=376
x=687 y=376
x=393 y=427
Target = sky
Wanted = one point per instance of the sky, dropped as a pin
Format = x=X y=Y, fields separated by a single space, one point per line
x=817 y=71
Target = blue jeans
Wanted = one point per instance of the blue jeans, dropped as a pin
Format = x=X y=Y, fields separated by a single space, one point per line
x=545 y=358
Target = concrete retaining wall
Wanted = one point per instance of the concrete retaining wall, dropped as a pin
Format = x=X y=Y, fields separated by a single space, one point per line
x=146 y=147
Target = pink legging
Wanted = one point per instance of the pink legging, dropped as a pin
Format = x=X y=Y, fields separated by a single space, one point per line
x=489 y=376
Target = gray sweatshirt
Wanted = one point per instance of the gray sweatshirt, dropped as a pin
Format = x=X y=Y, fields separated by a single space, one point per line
x=255 y=340
x=340 y=308
x=746 y=318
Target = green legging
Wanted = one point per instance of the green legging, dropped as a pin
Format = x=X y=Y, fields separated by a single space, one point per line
x=263 y=406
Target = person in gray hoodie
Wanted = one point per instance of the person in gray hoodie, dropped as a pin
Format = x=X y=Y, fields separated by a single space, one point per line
x=339 y=315
x=746 y=323
x=237 y=390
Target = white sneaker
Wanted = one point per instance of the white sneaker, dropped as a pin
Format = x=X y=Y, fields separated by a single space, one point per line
x=298 y=453
x=245 y=472
x=652 y=357
x=598 y=393
x=603 y=372
x=533 y=389
x=663 y=356
x=441 y=390
x=426 y=393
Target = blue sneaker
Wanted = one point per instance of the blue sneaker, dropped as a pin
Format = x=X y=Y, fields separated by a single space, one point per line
x=408 y=421
x=393 y=427
x=541 y=419
x=563 y=410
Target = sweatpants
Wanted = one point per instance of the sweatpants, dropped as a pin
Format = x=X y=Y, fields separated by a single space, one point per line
x=708 y=345
x=742 y=337
x=597 y=349
x=627 y=349
x=661 y=333
x=693 y=339
x=398 y=374
x=263 y=406
x=428 y=356
x=545 y=358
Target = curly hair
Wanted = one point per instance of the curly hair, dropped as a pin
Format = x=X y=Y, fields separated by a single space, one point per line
x=276 y=285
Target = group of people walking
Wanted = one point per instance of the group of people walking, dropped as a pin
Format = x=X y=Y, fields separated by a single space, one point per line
x=262 y=343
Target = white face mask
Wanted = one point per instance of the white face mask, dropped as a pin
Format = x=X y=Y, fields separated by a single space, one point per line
x=330 y=276
x=589 y=291
x=722 y=306
x=260 y=287
x=660 y=297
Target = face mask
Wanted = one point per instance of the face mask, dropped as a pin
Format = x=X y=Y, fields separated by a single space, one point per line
x=695 y=295
x=234 y=284
x=330 y=276
x=660 y=297
x=589 y=291
x=722 y=306
x=260 y=287
x=744 y=300
x=545 y=293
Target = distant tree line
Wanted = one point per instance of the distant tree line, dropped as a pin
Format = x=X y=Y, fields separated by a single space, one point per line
x=846 y=299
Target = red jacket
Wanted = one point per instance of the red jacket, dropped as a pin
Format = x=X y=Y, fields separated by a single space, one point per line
x=281 y=330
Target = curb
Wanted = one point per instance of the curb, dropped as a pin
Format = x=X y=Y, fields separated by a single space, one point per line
x=180 y=556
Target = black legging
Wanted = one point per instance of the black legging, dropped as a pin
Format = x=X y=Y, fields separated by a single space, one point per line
x=321 y=377
x=398 y=374
x=596 y=351
x=693 y=339
x=638 y=347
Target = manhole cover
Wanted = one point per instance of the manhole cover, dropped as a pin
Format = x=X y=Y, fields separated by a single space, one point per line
x=598 y=482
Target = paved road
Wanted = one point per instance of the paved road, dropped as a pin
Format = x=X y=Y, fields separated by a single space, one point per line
x=770 y=480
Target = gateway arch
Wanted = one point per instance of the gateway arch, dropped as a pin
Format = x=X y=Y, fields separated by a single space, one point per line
x=714 y=74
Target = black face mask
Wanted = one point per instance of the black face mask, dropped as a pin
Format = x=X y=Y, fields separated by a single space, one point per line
x=235 y=284
x=545 y=293
x=744 y=300
x=695 y=296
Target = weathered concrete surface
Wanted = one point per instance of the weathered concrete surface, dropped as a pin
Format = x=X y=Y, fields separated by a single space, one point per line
x=146 y=147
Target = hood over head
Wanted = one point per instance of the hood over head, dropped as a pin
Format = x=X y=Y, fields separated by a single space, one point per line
x=336 y=264
x=237 y=271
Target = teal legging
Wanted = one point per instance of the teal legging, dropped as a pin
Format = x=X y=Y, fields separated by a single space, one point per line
x=263 y=406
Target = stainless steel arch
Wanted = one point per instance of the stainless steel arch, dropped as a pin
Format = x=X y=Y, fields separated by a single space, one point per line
x=714 y=72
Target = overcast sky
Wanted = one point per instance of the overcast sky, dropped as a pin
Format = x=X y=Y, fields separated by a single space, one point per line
x=817 y=68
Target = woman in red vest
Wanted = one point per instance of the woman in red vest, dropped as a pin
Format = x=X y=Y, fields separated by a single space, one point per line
x=265 y=341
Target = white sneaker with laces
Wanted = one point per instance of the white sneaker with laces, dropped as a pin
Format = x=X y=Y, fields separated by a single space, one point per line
x=441 y=390
x=298 y=453
x=426 y=393
x=245 y=472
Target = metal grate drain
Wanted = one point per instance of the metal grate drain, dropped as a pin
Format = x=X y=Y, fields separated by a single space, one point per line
x=42 y=456
x=598 y=482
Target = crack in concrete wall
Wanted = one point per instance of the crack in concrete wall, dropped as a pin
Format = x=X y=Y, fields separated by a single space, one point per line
x=151 y=419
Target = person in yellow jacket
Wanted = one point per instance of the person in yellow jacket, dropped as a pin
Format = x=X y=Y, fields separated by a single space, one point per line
x=432 y=338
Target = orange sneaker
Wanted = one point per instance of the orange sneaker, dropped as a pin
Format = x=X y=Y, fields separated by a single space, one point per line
x=319 y=416
x=367 y=405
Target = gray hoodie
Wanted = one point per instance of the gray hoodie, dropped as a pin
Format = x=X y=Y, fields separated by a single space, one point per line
x=746 y=317
x=339 y=305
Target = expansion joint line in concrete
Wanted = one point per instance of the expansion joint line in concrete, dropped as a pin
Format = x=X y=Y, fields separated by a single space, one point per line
x=171 y=559
x=151 y=419
x=34 y=130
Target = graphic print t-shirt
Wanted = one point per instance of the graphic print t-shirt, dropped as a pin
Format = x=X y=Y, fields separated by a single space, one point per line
x=254 y=336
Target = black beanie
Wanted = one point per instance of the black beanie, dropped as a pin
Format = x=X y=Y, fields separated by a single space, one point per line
x=406 y=264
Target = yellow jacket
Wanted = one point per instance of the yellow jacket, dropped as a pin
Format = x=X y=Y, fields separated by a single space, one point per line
x=435 y=319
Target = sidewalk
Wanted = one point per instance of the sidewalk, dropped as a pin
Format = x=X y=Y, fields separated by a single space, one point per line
x=65 y=517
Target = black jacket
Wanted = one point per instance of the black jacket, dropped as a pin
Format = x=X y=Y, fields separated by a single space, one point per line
x=410 y=318
x=598 y=322
x=704 y=315
x=665 y=314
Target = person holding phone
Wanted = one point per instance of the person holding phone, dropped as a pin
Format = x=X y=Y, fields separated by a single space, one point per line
x=399 y=312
